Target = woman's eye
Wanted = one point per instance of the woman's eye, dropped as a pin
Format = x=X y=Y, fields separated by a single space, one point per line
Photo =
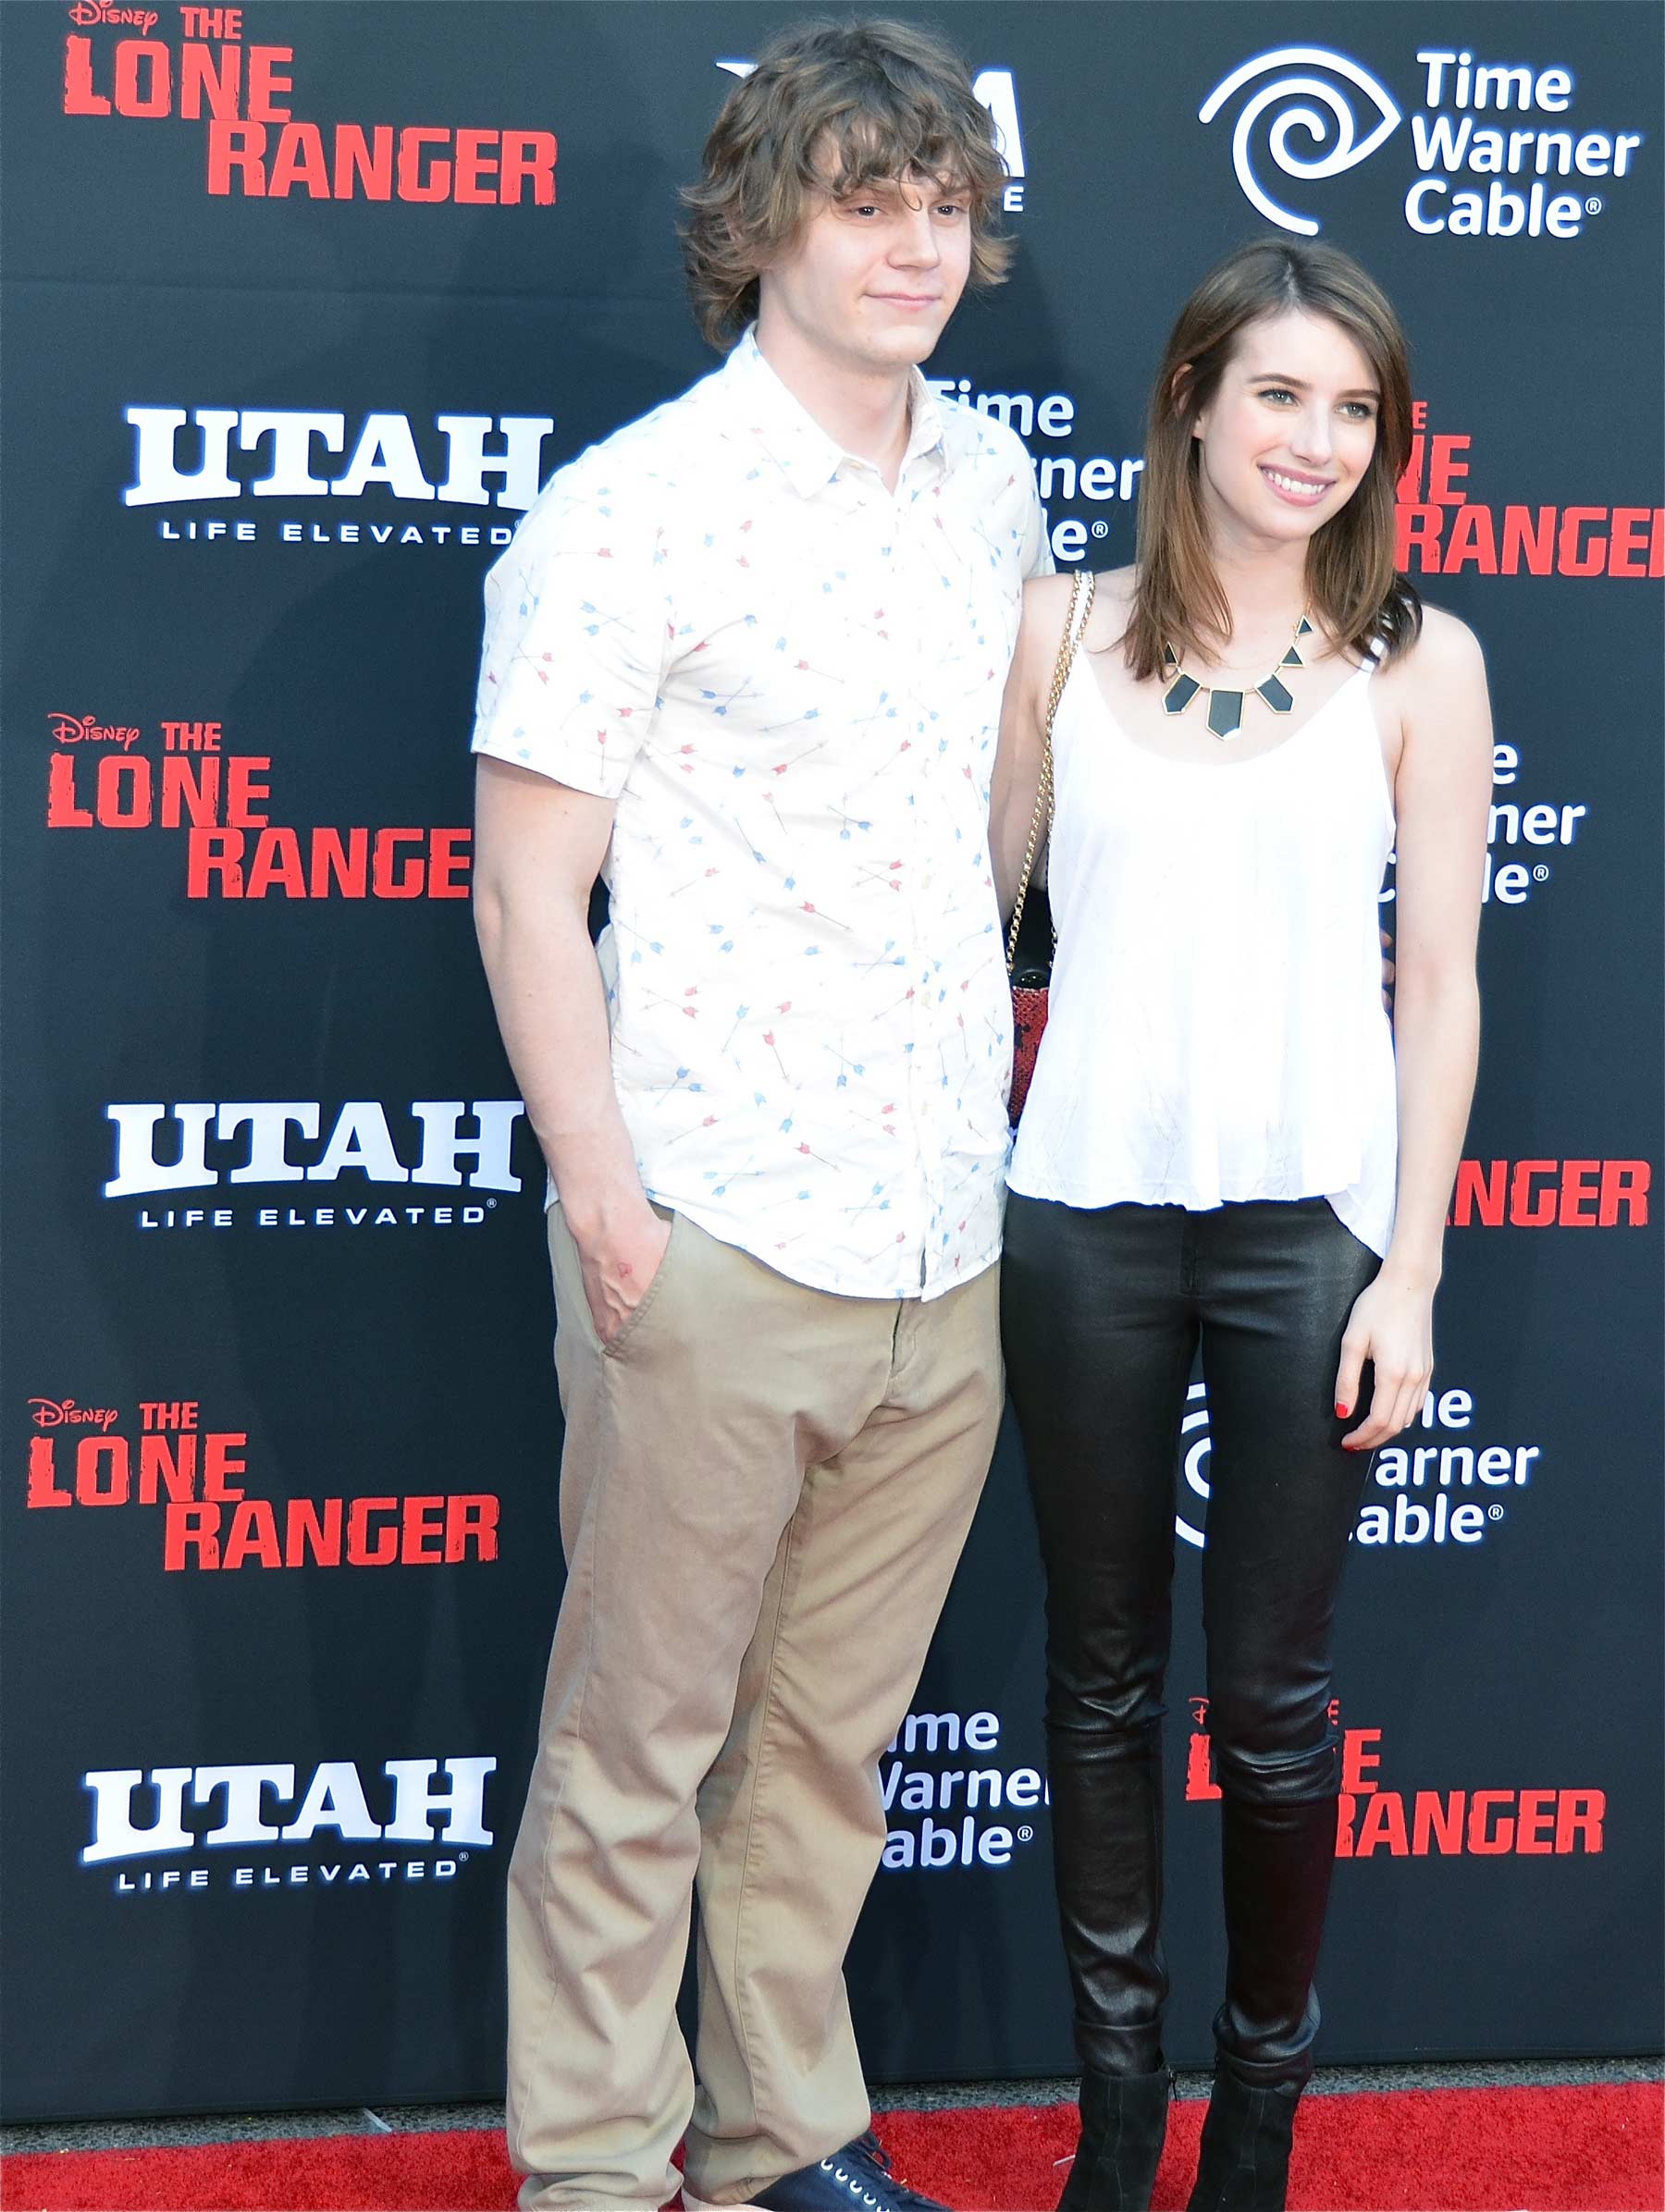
x=1358 y=410
x=1278 y=394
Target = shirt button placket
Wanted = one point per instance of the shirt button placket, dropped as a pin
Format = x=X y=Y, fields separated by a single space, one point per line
x=883 y=514
x=918 y=627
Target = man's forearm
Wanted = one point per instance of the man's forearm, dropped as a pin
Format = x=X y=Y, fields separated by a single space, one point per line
x=551 y=1010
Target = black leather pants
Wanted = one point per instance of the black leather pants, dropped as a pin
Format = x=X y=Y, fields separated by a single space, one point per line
x=1101 y=1312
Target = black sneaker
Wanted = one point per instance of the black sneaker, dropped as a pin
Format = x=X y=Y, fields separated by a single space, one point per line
x=857 y=2179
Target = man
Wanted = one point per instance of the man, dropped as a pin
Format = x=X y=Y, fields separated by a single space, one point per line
x=746 y=659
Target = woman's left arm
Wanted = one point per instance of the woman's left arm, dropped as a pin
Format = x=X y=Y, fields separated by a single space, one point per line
x=1441 y=791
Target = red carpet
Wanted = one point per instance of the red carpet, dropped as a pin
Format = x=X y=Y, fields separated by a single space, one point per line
x=1449 y=2150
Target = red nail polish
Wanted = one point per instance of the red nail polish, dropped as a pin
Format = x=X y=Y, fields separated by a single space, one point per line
x=1342 y=1412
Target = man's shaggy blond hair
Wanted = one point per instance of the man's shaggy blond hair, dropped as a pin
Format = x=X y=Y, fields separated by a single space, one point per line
x=831 y=109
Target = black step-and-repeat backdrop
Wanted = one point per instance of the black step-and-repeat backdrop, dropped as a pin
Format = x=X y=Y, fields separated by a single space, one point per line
x=302 y=301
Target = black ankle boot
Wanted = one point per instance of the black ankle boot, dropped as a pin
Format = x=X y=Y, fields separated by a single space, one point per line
x=1124 y=2122
x=1246 y=2139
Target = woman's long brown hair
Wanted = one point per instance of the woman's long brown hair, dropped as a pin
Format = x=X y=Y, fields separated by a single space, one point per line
x=1356 y=595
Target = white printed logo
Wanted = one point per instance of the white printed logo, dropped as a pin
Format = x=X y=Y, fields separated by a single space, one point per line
x=1452 y=1510
x=140 y=1816
x=333 y=1798
x=1193 y=1453
x=1491 y=143
x=359 y=1138
x=385 y=452
x=1314 y=122
x=939 y=1816
x=998 y=94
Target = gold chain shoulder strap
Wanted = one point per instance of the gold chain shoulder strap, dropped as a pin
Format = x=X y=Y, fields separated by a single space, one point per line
x=1081 y=607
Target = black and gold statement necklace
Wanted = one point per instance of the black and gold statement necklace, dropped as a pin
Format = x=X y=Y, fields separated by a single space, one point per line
x=1226 y=707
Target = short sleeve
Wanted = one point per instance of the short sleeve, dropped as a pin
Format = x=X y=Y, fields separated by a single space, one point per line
x=577 y=629
x=1037 y=550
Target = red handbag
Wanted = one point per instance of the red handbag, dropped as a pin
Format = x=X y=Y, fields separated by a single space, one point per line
x=1029 y=965
x=1029 y=1019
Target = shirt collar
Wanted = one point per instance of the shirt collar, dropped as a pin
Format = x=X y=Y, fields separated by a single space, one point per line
x=808 y=456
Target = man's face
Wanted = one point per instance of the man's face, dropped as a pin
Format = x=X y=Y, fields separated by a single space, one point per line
x=869 y=280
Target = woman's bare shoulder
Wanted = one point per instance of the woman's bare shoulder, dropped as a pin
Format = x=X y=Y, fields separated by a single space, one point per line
x=1045 y=598
x=1113 y=592
x=1046 y=593
x=1046 y=601
x=1445 y=649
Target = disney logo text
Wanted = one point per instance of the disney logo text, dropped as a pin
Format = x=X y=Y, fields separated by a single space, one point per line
x=105 y=11
x=86 y=730
x=60 y=1413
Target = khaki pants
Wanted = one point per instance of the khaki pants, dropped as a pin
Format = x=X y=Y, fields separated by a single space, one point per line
x=763 y=1495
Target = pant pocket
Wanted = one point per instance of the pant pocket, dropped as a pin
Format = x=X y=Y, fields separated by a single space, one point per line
x=616 y=1344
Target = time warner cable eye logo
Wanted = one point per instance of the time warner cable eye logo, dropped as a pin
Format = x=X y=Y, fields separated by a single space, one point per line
x=1314 y=123
x=1490 y=143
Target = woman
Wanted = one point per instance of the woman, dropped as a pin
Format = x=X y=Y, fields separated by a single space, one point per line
x=1224 y=1143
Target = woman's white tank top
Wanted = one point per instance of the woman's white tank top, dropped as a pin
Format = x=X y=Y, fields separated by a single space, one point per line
x=1216 y=1030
